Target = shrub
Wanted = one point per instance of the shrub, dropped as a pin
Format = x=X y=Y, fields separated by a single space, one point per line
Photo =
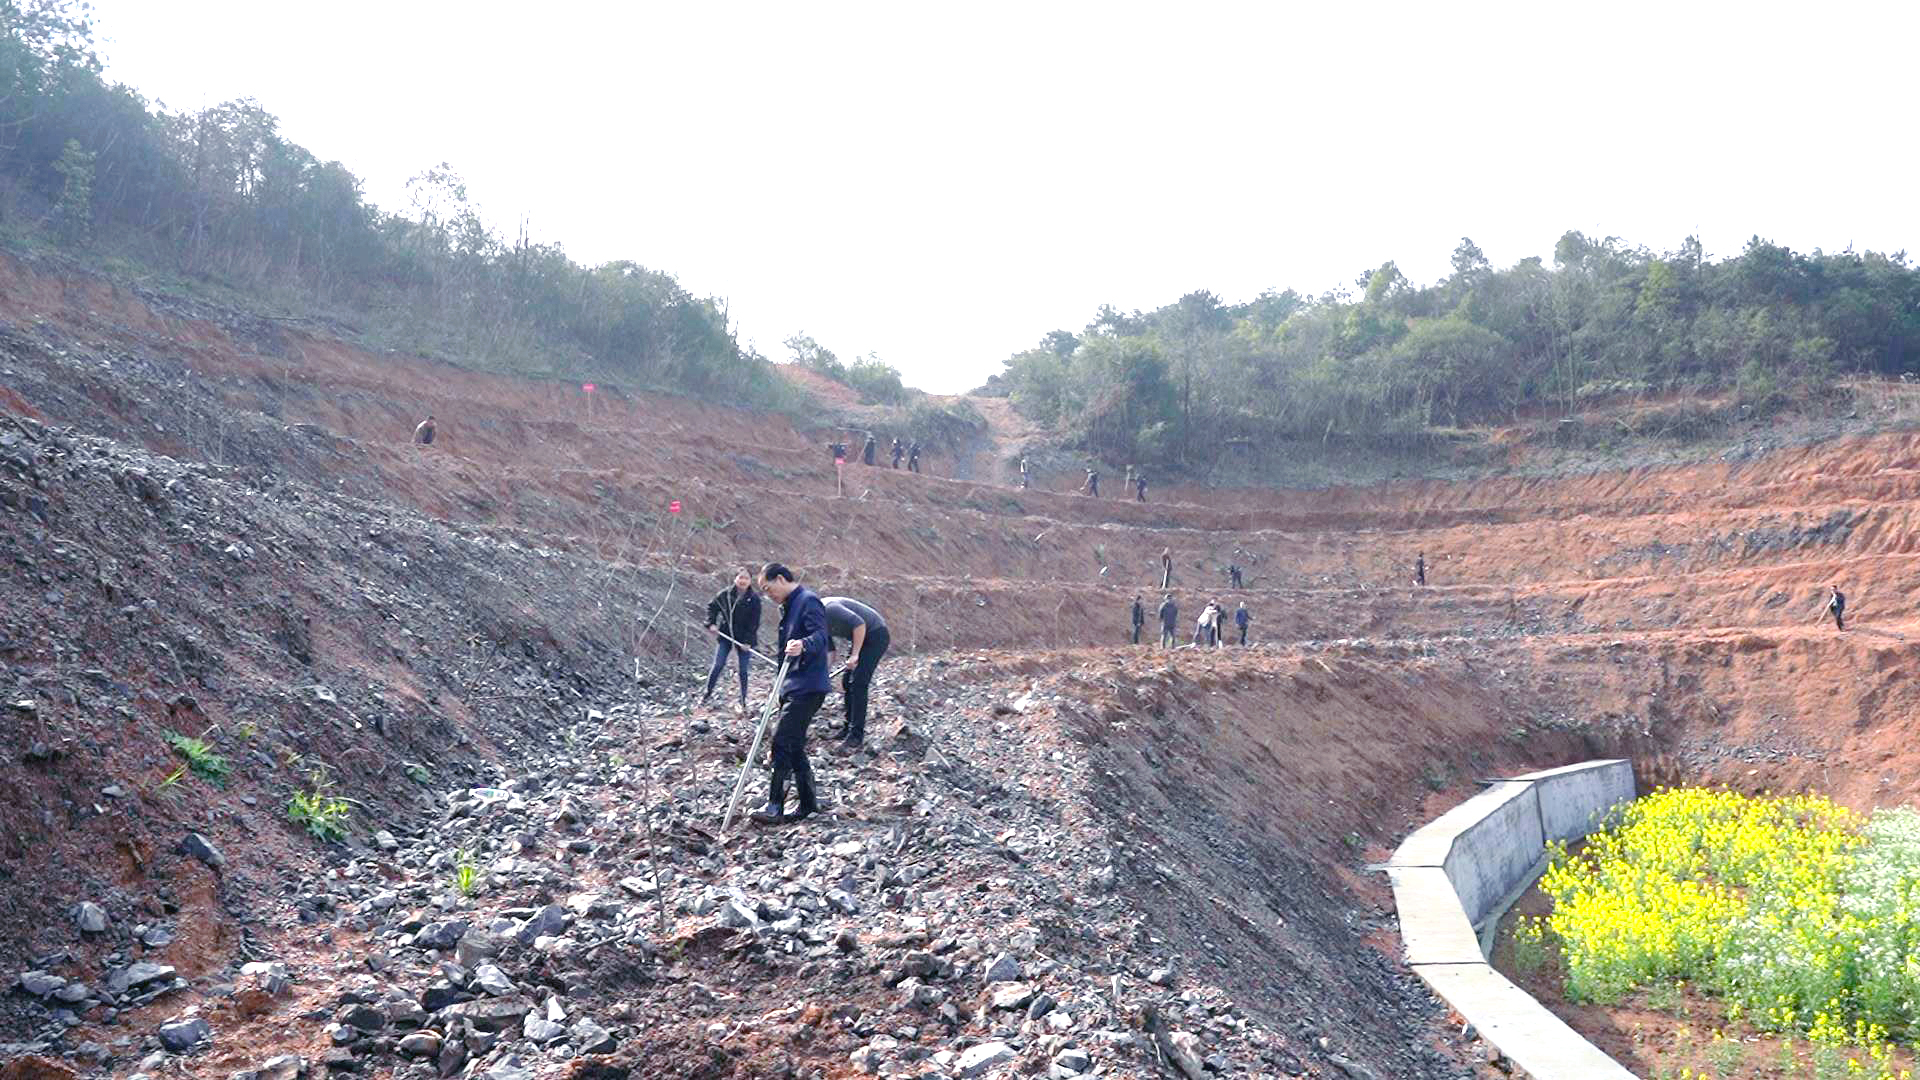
x=206 y=763
x=323 y=815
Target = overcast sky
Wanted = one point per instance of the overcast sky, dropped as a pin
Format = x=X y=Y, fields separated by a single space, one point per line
x=941 y=184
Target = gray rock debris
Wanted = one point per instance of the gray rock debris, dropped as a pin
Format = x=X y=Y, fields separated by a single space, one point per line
x=976 y=1060
x=181 y=1035
x=90 y=917
x=203 y=849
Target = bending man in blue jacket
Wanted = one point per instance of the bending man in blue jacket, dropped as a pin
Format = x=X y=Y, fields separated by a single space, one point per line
x=804 y=644
x=867 y=639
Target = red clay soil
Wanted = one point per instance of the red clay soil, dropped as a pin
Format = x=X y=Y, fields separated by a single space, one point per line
x=1670 y=614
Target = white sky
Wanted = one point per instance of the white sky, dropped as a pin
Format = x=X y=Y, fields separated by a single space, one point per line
x=942 y=184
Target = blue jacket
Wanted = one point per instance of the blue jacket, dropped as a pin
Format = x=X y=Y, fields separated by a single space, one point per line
x=804 y=618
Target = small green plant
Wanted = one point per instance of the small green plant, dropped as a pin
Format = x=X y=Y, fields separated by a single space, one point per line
x=170 y=787
x=465 y=873
x=1725 y=1054
x=1530 y=948
x=206 y=763
x=1435 y=776
x=1663 y=995
x=323 y=815
x=418 y=773
x=247 y=729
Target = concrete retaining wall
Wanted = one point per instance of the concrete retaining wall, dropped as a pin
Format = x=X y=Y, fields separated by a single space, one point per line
x=1454 y=871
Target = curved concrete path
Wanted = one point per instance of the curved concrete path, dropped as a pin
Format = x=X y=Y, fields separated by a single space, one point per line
x=1464 y=866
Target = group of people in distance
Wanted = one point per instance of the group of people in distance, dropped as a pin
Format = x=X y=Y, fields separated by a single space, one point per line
x=870 y=449
x=809 y=627
x=1136 y=482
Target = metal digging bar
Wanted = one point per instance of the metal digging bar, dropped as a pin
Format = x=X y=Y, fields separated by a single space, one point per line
x=759 y=735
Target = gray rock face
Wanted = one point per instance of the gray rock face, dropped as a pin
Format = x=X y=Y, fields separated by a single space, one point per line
x=550 y=921
x=180 y=1036
x=541 y=1030
x=490 y=979
x=1070 y=1063
x=476 y=946
x=420 y=1044
x=491 y=1014
x=1184 y=1048
x=361 y=1017
x=90 y=917
x=591 y=1038
x=441 y=935
x=510 y=1068
x=40 y=984
x=1003 y=969
x=132 y=978
x=976 y=1060
x=203 y=849
x=284 y=1067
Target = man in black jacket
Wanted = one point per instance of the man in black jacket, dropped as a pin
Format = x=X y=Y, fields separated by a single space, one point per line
x=1169 y=619
x=734 y=618
x=866 y=634
x=866 y=452
x=899 y=452
x=1837 y=607
x=805 y=646
x=1139 y=618
x=913 y=458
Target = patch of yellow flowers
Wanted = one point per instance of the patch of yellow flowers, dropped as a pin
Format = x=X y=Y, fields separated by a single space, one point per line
x=1802 y=915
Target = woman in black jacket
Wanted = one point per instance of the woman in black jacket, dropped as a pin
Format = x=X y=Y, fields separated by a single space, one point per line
x=736 y=614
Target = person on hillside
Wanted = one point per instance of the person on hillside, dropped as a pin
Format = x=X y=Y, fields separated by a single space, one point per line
x=913 y=457
x=1200 y=625
x=1166 y=568
x=1139 y=617
x=1025 y=477
x=1169 y=621
x=1233 y=576
x=1092 y=485
x=838 y=452
x=805 y=646
x=423 y=432
x=1128 y=485
x=867 y=451
x=1420 y=569
x=1139 y=487
x=899 y=452
x=1241 y=617
x=1219 y=628
x=733 y=616
x=866 y=634
x=1837 y=607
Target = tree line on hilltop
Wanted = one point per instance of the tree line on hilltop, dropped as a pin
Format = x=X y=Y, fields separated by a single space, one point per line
x=1605 y=321
x=219 y=195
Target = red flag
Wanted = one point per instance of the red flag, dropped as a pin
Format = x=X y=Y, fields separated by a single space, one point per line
x=673 y=507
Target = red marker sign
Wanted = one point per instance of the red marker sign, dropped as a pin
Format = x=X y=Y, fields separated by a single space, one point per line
x=673 y=507
x=588 y=387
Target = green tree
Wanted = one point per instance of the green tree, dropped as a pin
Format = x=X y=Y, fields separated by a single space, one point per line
x=75 y=208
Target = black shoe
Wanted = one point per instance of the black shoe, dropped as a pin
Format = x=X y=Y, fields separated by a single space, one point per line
x=799 y=815
x=769 y=814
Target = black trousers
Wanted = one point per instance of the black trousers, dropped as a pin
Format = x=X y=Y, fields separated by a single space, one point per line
x=1136 y=633
x=1166 y=575
x=858 y=682
x=720 y=665
x=790 y=751
x=1243 y=635
x=1839 y=618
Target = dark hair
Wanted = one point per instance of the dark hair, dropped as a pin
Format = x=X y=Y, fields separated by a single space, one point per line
x=774 y=571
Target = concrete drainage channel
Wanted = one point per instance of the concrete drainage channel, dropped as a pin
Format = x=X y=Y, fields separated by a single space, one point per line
x=1465 y=868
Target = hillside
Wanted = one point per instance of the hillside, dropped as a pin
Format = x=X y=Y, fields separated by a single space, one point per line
x=1064 y=853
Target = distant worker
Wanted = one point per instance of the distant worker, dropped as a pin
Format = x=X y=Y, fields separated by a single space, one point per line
x=913 y=457
x=1092 y=486
x=1837 y=604
x=1233 y=576
x=1139 y=487
x=804 y=645
x=1204 y=625
x=1420 y=569
x=423 y=434
x=1139 y=617
x=1169 y=620
x=866 y=632
x=867 y=451
x=1025 y=478
x=1241 y=617
x=898 y=452
x=734 y=618
x=838 y=451
x=1166 y=568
